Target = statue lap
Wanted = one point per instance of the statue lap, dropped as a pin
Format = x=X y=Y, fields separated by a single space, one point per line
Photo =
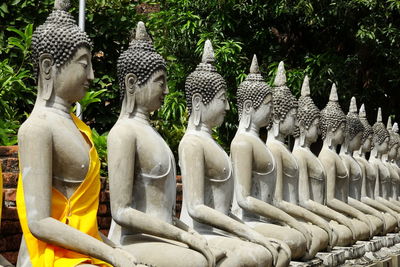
x=161 y=252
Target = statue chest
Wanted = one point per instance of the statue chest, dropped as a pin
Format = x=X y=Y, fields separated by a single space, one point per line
x=70 y=152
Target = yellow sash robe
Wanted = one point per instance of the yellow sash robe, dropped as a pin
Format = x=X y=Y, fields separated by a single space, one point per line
x=79 y=212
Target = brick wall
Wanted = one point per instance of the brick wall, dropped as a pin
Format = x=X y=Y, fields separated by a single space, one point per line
x=10 y=231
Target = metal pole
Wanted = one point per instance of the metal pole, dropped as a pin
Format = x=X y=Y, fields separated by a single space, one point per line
x=82 y=26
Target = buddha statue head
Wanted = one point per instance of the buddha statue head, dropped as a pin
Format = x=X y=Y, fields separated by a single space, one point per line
x=396 y=132
x=284 y=105
x=142 y=74
x=205 y=91
x=333 y=120
x=61 y=55
x=381 y=135
x=254 y=98
x=308 y=116
x=368 y=133
x=354 y=128
x=393 y=140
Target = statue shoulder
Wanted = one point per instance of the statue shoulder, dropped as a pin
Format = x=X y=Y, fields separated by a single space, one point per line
x=33 y=128
x=121 y=130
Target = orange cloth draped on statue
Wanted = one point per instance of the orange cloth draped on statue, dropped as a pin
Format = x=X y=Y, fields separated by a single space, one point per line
x=79 y=212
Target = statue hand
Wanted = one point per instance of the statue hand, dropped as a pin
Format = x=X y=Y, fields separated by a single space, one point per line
x=123 y=258
x=369 y=223
x=333 y=238
x=270 y=244
x=199 y=243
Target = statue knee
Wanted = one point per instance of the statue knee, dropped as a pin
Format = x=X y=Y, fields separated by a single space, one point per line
x=296 y=242
x=255 y=255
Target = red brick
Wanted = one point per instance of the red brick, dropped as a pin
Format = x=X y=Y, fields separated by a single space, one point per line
x=104 y=196
x=9 y=151
x=179 y=179
x=10 y=213
x=104 y=231
x=10 y=227
x=11 y=256
x=10 y=165
x=10 y=180
x=104 y=222
x=104 y=209
x=10 y=243
x=10 y=194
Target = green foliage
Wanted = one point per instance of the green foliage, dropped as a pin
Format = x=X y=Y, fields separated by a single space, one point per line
x=352 y=43
x=100 y=142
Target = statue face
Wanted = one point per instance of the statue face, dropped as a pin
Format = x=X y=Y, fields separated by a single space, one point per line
x=263 y=113
x=214 y=112
x=288 y=125
x=72 y=80
x=393 y=151
x=383 y=148
x=355 y=143
x=366 y=146
x=151 y=94
x=312 y=132
x=338 y=134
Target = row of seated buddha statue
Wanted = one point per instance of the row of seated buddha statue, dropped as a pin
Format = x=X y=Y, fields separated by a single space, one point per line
x=263 y=205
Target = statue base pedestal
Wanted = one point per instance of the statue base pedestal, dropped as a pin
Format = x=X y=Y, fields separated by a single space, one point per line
x=316 y=262
x=333 y=258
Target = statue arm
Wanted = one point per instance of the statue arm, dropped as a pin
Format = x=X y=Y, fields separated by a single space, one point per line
x=242 y=157
x=332 y=201
x=365 y=208
x=379 y=206
x=193 y=176
x=121 y=169
x=389 y=204
x=37 y=183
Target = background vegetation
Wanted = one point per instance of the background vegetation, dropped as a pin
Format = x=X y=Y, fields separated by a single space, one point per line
x=354 y=43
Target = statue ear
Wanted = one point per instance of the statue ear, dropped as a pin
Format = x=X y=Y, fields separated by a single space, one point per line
x=329 y=136
x=275 y=127
x=302 y=135
x=130 y=86
x=46 y=68
x=247 y=111
x=196 y=108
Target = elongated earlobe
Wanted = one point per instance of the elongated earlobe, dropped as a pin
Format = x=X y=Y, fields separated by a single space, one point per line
x=196 y=103
x=275 y=128
x=47 y=71
x=247 y=113
x=131 y=86
x=302 y=140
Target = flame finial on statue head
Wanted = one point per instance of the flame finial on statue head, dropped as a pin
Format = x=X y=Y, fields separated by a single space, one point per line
x=63 y=5
x=333 y=95
x=141 y=32
x=353 y=105
x=395 y=127
x=379 y=115
x=208 y=53
x=280 y=78
x=389 y=124
x=362 y=113
x=305 y=88
x=254 y=68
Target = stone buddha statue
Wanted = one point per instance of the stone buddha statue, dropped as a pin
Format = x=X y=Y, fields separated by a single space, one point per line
x=332 y=125
x=382 y=190
x=396 y=185
x=388 y=159
x=142 y=169
x=207 y=173
x=286 y=195
x=311 y=171
x=369 y=175
x=59 y=182
x=352 y=142
x=254 y=168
